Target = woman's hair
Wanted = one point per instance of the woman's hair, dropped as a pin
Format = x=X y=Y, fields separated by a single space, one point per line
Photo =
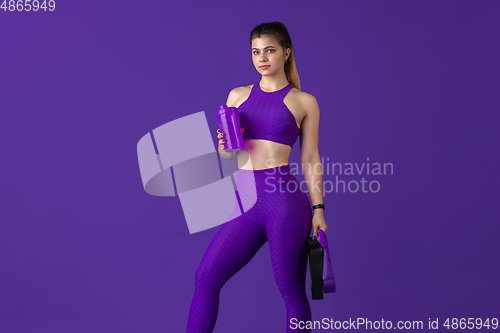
x=278 y=31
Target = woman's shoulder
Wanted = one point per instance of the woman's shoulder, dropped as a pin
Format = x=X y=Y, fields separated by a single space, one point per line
x=241 y=90
x=303 y=98
x=238 y=93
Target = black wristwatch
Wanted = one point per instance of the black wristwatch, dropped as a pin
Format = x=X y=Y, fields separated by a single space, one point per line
x=319 y=206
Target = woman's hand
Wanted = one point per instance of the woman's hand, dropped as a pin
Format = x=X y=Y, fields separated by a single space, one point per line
x=220 y=136
x=318 y=222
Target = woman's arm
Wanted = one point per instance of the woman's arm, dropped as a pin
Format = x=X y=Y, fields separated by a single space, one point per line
x=310 y=159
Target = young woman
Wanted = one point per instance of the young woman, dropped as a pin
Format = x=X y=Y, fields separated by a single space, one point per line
x=273 y=113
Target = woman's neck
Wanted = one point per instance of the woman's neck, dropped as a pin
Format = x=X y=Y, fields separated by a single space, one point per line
x=272 y=83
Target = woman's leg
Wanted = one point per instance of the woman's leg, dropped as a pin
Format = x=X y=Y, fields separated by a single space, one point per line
x=288 y=224
x=236 y=242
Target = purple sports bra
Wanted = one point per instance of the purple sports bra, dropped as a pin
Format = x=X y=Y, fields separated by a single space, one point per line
x=264 y=116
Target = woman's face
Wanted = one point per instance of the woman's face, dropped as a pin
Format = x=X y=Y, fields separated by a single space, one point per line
x=268 y=56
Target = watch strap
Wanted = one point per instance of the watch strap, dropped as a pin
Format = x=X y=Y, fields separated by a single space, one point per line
x=319 y=206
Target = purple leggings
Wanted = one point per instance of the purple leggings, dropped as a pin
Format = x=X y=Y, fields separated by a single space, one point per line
x=281 y=214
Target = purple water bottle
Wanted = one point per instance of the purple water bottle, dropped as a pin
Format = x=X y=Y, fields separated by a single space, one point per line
x=229 y=124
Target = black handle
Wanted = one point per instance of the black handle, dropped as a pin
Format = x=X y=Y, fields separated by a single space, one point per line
x=316 y=267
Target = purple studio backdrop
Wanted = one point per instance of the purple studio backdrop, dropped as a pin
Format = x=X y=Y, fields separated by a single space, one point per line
x=409 y=84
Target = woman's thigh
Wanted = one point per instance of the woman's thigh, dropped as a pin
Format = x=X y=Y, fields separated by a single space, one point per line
x=288 y=224
x=233 y=246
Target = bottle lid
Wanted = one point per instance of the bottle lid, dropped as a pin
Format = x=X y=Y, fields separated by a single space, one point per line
x=225 y=109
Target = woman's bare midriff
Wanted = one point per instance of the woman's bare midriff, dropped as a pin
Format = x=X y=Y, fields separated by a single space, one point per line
x=262 y=154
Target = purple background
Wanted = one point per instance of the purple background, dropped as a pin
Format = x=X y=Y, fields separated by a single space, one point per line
x=83 y=248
